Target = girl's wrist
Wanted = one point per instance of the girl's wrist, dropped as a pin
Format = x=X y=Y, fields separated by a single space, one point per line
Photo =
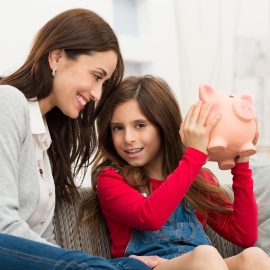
x=241 y=159
x=196 y=150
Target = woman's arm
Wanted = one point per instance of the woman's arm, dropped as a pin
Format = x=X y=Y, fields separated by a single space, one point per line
x=19 y=189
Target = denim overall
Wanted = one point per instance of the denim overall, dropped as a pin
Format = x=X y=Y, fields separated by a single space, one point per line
x=180 y=234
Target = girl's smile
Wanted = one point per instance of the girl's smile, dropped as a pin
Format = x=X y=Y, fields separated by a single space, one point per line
x=135 y=152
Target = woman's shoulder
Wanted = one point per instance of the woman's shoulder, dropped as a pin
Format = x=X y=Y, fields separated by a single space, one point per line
x=14 y=107
x=11 y=90
x=10 y=94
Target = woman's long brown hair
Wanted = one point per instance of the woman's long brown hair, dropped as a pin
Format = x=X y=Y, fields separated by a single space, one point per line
x=77 y=31
x=160 y=107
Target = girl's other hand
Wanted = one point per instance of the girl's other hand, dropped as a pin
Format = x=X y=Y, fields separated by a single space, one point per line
x=239 y=159
x=194 y=132
x=256 y=138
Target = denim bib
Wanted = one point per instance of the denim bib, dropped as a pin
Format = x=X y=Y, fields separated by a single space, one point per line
x=180 y=234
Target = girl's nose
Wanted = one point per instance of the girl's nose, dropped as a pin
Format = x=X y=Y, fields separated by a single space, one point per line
x=130 y=136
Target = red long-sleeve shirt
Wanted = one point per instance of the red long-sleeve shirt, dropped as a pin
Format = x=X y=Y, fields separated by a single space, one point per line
x=125 y=208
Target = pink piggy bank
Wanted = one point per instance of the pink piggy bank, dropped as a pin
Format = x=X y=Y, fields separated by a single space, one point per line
x=234 y=133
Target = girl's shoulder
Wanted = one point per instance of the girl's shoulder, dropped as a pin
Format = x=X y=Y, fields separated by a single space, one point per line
x=110 y=171
x=108 y=176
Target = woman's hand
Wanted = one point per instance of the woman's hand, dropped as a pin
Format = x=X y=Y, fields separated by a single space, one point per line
x=194 y=133
x=151 y=261
x=239 y=159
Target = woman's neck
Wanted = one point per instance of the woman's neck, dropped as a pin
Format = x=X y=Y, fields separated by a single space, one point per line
x=45 y=105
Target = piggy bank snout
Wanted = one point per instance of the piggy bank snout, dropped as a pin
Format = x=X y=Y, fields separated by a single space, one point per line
x=243 y=110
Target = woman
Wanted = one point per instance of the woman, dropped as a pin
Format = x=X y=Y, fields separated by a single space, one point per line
x=47 y=128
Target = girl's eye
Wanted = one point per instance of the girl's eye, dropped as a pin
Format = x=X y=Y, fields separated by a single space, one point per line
x=116 y=128
x=231 y=96
x=141 y=125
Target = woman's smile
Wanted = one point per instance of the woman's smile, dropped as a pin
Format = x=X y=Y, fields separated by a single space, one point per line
x=81 y=100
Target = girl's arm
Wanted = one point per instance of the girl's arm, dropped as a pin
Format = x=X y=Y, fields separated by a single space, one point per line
x=126 y=205
x=241 y=226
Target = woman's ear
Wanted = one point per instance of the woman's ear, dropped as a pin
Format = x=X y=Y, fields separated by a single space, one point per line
x=54 y=57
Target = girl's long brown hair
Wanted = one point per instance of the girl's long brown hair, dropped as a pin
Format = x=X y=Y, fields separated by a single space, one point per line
x=77 y=31
x=160 y=107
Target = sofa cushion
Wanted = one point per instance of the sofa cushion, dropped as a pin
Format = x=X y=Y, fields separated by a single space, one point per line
x=67 y=235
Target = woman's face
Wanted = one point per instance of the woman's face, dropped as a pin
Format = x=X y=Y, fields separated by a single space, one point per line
x=76 y=82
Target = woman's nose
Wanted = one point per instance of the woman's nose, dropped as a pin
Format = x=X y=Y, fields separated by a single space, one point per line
x=95 y=93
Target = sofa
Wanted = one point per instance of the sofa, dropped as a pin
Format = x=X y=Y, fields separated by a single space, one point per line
x=67 y=235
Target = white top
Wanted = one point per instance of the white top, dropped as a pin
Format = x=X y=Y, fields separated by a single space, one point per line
x=42 y=216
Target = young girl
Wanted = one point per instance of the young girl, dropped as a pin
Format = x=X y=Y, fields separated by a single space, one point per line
x=153 y=191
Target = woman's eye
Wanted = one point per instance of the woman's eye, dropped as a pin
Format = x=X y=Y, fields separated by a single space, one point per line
x=231 y=96
x=97 y=77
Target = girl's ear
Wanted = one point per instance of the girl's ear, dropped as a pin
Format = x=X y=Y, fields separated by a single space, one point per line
x=54 y=57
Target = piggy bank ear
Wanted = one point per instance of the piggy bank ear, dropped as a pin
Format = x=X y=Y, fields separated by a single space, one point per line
x=247 y=98
x=205 y=91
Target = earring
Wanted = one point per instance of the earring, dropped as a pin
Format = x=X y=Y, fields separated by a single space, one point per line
x=53 y=71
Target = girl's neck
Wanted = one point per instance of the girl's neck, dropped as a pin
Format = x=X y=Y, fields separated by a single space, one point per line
x=156 y=167
x=157 y=174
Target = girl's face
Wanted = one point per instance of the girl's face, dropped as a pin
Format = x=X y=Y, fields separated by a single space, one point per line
x=77 y=82
x=136 y=139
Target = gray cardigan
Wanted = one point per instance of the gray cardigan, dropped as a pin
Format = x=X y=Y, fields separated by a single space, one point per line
x=19 y=187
